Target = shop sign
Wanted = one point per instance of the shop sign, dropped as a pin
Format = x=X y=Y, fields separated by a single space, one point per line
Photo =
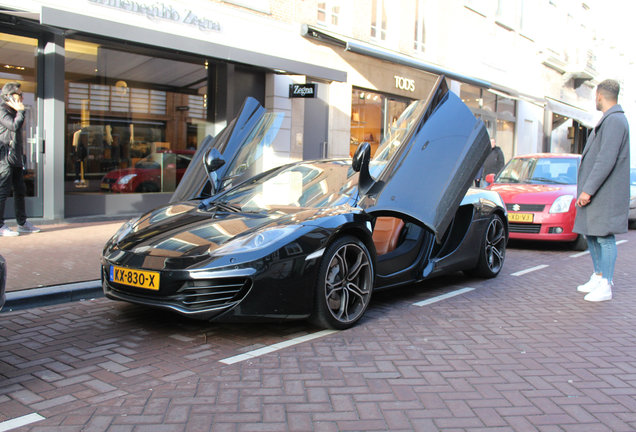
x=161 y=11
x=302 y=90
x=404 y=83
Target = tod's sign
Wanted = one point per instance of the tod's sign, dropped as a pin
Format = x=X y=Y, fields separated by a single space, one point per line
x=404 y=83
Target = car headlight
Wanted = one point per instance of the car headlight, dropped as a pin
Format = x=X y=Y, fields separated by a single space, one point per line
x=126 y=179
x=255 y=241
x=561 y=204
x=125 y=229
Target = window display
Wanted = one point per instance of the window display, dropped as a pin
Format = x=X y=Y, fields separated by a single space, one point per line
x=133 y=121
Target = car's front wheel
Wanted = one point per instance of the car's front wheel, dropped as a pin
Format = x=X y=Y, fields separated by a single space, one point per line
x=492 y=250
x=345 y=284
x=580 y=244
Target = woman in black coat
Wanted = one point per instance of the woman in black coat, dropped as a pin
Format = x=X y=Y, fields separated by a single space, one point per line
x=11 y=164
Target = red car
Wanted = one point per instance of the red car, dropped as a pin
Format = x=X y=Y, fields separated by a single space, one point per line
x=150 y=173
x=539 y=191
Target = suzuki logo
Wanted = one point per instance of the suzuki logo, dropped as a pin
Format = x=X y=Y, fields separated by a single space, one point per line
x=516 y=207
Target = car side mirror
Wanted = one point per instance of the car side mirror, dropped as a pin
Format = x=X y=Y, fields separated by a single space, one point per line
x=213 y=160
x=490 y=178
x=360 y=163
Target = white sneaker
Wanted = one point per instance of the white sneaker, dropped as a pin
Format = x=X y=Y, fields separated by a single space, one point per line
x=590 y=285
x=602 y=292
x=5 y=231
x=28 y=227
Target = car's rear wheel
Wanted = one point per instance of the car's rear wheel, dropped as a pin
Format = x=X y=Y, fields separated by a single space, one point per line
x=492 y=250
x=345 y=284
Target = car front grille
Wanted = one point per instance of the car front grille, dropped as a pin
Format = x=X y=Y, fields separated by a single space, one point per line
x=524 y=228
x=525 y=207
x=211 y=293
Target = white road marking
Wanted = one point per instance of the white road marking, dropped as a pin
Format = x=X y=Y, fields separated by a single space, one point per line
x=531 y=269
x=443 y=297
x=20 y=421
x=276 y=347
x=576 y=255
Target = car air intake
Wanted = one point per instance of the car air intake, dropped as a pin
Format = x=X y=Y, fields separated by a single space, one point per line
x=524 y=228
x=525 y=207
x=211 y=293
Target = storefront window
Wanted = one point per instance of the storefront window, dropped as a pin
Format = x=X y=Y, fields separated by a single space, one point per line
x=133 y=121
x=17 y=63
x=372 y=115
x=471 y=96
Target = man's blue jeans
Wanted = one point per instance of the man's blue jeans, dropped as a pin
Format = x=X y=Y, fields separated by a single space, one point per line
x=603 y=252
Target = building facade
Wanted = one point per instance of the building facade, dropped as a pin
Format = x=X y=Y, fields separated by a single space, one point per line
x=114 y=85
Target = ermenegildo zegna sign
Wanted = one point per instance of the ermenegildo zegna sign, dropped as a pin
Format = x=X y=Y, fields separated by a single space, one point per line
x=302 y=90
x=161 y=11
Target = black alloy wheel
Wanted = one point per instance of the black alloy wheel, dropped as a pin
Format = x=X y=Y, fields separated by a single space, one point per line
x=345 y=284
x=492 y=249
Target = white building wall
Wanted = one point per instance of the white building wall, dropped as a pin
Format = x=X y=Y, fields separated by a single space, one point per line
x=529 y=127
x=339 y=119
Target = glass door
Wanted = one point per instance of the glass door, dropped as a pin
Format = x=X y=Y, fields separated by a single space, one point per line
x=18 y=61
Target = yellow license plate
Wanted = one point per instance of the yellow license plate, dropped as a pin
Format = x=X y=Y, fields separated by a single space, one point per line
x=136 y=278
x=520 y=217
x=105 y=186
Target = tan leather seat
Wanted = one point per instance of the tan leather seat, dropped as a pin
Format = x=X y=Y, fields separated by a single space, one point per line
x=386 y=234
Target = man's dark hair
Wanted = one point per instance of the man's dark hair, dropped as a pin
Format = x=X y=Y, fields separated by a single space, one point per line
x=609 y=88
x=11 y=88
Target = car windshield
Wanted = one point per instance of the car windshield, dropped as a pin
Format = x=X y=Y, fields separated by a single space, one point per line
x=539 y=171
x=307 y=185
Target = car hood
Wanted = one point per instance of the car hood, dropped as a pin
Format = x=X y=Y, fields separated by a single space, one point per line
x=187 y=229
x=532 y=193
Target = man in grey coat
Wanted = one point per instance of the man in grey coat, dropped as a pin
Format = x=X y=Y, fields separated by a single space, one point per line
x=603 y=190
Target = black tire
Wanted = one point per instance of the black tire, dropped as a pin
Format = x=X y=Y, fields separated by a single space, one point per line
x=492 y=249
x=580 y=244
x=345 y=284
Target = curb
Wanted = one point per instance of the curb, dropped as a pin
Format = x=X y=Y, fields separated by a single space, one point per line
x=51 y=295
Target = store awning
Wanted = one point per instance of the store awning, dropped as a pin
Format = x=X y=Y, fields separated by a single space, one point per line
x=582 y=116
x=387 y=55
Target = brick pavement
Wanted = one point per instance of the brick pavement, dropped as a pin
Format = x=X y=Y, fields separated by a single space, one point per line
x=516 y=354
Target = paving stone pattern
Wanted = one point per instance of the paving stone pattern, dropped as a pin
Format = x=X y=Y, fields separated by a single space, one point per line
x=516 y=354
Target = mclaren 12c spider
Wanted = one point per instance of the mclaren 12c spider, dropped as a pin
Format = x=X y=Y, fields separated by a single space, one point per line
x=314 y=239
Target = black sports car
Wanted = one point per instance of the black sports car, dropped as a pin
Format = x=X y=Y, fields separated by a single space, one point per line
x=314 y=239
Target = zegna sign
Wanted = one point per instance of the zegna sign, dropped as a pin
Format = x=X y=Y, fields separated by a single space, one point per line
x=161 y=11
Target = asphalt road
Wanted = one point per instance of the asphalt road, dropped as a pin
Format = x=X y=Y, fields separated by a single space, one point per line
x=522 y=352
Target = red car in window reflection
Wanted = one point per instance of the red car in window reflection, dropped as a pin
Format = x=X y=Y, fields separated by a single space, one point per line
x=157 y=172
x=539 y=191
